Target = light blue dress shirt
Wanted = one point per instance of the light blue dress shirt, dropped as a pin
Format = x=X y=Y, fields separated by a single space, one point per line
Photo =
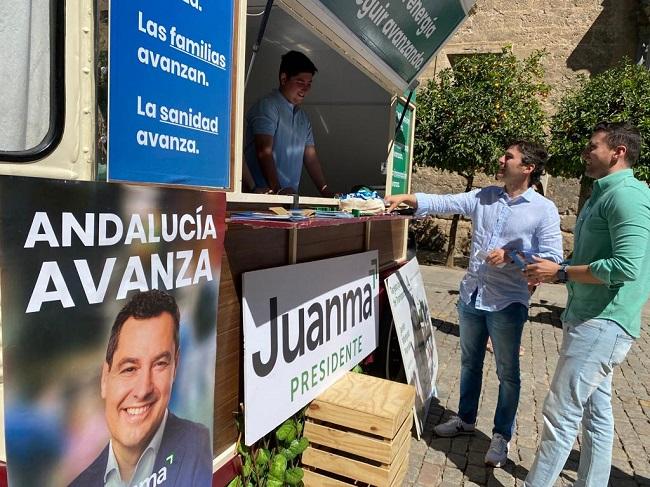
x=144 y=467
x=528 y=223
x=291 y=130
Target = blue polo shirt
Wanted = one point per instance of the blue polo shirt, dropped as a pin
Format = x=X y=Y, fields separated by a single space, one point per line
x=291 y=130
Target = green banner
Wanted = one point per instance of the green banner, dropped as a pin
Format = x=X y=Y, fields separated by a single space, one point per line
x=404 y=34
x=401 y=151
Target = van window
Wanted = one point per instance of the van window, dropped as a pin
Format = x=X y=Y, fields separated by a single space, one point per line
x=31 y=77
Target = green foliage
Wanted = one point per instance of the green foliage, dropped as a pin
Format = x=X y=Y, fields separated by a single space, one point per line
x=287 y=432
x=274 y=460
x=618 y=94
x=296 y=447
x=357 y=369
x=278 y=468
x=467 y=115
x=293 y=476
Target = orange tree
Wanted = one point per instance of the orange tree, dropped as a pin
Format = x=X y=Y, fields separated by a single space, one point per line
x=618 y=94
x=468 y=114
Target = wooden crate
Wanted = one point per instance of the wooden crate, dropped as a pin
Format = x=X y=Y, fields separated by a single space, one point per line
x=359 y=432
x=316 y=479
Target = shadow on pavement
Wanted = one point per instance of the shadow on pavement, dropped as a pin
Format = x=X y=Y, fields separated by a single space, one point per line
x=617 y=477
x=446 y=327
x=467 y=452
x=549 y=316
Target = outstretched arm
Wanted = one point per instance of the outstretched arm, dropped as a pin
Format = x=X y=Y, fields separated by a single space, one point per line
x=394 y=201
x=428 y=204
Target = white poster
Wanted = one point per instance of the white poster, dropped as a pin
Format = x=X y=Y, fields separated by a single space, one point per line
x=305 y=325
x=408 y=302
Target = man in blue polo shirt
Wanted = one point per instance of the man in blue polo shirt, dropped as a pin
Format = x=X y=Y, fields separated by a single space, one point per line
x=279 y=137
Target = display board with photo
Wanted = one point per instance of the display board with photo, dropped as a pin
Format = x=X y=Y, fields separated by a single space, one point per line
x=408 y=303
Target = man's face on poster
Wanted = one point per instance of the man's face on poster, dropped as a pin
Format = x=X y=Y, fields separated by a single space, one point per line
x=137 y=386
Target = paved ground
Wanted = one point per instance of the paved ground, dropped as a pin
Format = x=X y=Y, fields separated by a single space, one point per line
x=459 y=461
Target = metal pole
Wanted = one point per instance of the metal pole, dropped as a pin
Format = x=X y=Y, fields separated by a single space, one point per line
x=406 y=106
x=258 y=41
x=399 y=124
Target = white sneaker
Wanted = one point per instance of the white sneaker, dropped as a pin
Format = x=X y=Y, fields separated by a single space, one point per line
x=497 y=455
x=455 y=426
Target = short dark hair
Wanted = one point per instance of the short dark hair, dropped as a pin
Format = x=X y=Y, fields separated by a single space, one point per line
x=622 y=133
x=532 y=153
x=143 y=305
x=295 y=62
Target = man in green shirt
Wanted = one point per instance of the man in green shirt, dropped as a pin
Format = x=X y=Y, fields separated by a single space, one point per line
x=608 y=282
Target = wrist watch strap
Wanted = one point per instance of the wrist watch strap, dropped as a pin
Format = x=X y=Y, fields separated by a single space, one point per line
x=562 y=275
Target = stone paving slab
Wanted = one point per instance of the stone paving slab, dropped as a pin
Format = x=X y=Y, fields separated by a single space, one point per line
x=459 y=461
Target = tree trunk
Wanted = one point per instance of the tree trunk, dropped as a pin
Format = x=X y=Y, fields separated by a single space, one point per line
x=451 y=247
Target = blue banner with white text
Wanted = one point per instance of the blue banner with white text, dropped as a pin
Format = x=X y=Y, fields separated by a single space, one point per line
x=170 y=66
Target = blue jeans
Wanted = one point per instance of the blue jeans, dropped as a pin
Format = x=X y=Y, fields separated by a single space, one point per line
x=581 y=391
x=504 y=327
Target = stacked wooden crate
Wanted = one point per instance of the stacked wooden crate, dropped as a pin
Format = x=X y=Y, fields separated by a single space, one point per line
x=359 y=431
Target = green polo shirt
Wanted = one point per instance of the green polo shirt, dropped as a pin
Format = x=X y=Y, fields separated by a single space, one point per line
x=612 y=236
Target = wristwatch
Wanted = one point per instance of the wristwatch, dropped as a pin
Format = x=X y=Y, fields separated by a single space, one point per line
x=562 y=275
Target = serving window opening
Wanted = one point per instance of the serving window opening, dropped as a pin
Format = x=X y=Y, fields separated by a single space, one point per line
x=349 y=113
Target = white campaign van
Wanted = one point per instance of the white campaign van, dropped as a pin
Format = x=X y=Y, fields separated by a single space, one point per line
x=155 y=93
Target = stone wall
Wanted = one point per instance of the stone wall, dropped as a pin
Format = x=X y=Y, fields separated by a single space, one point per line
x=580 y=36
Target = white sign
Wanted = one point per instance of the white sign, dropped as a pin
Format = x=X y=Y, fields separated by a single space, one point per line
x=305 y=325
x=408 y=302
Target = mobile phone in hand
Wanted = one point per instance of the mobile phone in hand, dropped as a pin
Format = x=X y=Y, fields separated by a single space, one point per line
x=518 y=261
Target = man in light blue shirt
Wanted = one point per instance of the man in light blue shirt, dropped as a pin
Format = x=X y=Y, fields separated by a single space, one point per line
x=279 y=138
x=509 y=222
x=144 y=467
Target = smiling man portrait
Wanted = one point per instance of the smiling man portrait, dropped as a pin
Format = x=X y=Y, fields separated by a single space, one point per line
x=148 y=444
